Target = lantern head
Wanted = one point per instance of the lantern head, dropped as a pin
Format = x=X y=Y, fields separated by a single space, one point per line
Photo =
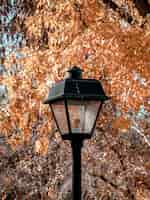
x=75 y=104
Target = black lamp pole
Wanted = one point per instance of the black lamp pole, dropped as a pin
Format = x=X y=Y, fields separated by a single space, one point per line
x=77 y=100
x=76 y=168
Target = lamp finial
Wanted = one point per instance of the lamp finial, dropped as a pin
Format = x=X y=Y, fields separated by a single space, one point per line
x=75 y=73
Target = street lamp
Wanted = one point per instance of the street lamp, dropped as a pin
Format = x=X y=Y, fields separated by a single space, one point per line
x=75 y=104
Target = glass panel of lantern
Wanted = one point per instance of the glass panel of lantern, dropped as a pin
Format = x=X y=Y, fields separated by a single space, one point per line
x=82 y=115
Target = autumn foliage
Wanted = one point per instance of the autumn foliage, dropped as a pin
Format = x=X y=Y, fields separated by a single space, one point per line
x=96 y=37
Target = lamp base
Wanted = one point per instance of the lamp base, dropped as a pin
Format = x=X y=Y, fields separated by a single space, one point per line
x=76 y=136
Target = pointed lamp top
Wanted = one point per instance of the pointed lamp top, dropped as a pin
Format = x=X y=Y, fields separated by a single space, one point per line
x=75 y=73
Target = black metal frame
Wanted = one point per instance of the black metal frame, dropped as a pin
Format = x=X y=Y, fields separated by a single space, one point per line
x=67 y=115
x=76 y=88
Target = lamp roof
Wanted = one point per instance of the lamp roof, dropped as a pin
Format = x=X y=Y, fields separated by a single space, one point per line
x=77 y=89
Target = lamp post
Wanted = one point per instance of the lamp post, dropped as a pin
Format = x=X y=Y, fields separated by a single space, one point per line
x=75 y=104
